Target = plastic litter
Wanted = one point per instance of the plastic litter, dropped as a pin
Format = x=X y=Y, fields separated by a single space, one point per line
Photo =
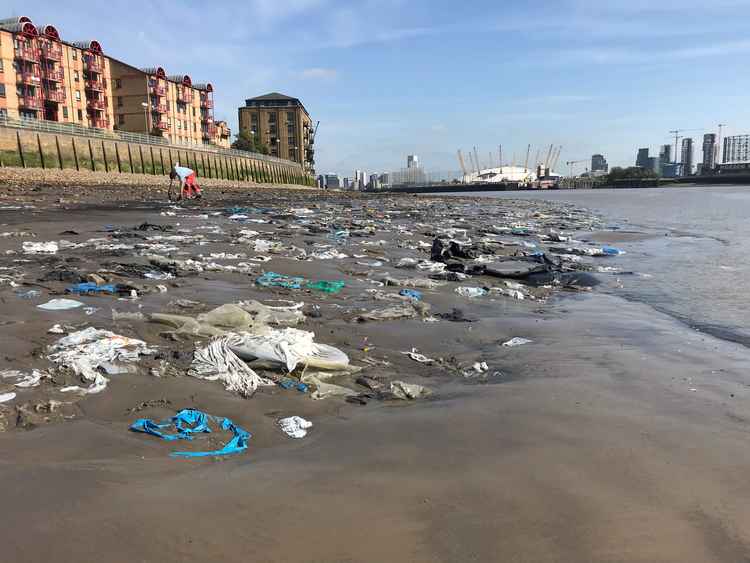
x=5 y=397
x=417 y=357
x=90 y=288
x=324 y=390
x=471 y=292
x=517 y=341
x=40 y=247
x=326 y=286
x=272 y=279
x=408 y=391
x=295 y=426
x=218 y=362
x=190 y=421
x=60 y=305
x=30 y=294
x=411 y=294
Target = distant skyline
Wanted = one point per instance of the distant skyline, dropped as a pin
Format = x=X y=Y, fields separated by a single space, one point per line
x=394 y=77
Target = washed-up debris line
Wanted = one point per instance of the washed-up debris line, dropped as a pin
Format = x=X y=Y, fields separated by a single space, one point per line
x=136 y=299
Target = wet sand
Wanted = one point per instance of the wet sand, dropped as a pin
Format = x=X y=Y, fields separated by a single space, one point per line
x=617 y=435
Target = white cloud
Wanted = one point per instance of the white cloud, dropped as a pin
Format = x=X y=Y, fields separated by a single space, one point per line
x=319 y=73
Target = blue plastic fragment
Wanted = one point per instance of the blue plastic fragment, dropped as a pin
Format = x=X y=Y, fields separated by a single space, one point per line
x=287 y=383
x=411 y=294
x=611 y=251
x=188 y=422
x=88 y=288
x=302 y=387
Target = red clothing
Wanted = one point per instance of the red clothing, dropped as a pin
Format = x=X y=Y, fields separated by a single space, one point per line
x=191 y=186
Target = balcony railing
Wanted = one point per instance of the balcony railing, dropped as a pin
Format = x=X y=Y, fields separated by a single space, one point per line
x=159 y=91
x=52 y=51
x=56 y=75
x=162 y=125
x=206 y=103
x=159 y=108
x=99 y=123
x=207 y=118
x=33 y=78
x=55 y=95
x=185 y=95
x=27 y=53
x=96 y=104
x=30 y=102
x=209 y=132
x=96 y=85
x=93 y=65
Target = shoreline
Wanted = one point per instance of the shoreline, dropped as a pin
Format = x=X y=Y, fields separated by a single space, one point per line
x=603 y=429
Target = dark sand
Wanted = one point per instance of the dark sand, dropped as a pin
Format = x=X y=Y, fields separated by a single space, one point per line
x=618 y=435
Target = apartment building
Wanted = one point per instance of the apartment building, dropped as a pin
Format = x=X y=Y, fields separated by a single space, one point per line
x=149 y=100
x=223 y=134
x=283 y=125
x=45 y=77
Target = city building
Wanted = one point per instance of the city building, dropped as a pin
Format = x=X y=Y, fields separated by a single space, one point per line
x=736 y=149
x=709 y=152
x=599 y=164
x=687 y=156
x=347 y=184
x=665 y=154
x=332 y=182
x=147 y=100
x=223 y=136
x=699 y=169
x=283 y=124
x=653 y=163
x=671 y=169
x=412 y=161
x=44 y=77
x=374 y=183
x=642 y=159
x=384 y=180
x=360 y=180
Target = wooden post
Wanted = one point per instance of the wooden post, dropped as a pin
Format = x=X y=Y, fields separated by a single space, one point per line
x=75 y=152
x=209 y=166
x=236 y=170
x=161 y=159
x=91 y=154
x=221 y=168
x=143 y=164
x=203 y=164
x=41 y=152
x=117 y=156
x=59 y=152
x=104 y=155
x=171 y=162
x=153 y=162
x=20 y=150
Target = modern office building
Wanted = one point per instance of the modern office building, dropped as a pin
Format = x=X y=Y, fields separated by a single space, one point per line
x=374 y=183
x=283 y=124
x=599 y=164
x=148 y=100
x=653 y=163
x=412 y=161
x=665 y=154
x=687 y=156
x=642 y=159
x=332 y=181
x=709 y=152
x=736 y=149
x=44 y=77
x=360 y=180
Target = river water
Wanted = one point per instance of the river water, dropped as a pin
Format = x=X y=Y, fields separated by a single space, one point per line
x=693 y=262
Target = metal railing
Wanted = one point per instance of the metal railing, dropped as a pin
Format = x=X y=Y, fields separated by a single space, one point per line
x=44 y=126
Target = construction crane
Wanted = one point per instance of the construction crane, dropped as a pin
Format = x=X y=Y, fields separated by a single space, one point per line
x=572 y=163
x=678 y=136
x=462 y=163
x=526 y=164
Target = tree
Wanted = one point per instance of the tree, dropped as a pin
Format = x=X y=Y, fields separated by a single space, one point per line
x=632 y=172
x=246 y=141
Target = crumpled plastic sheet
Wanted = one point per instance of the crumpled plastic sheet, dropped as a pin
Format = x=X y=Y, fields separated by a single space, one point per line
x=86 y=350
x=5 y=397
x=295 y=426
x=517 y=341
x=324 y=390
x=190 y=421
x=417 y=357
x=60 y=305
x=408 y=391
x=50 y=247
x=471 y=292
x=217 y=362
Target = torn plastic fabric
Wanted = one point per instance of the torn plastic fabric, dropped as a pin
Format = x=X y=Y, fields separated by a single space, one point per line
x=190 y=421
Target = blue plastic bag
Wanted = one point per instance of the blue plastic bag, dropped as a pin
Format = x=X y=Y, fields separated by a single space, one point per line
x=411 y=294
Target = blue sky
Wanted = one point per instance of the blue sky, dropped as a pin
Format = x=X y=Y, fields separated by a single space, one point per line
x=391 y=77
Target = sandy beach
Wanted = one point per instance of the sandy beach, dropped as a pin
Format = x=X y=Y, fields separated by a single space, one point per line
x=615 y=434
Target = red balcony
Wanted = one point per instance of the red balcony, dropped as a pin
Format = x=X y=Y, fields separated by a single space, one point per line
x=52 y=51
x=55 y=95
x=209 y=132
x=93 y=65
x=162 y=125
x=30 y=102
x=95 y=85
x=99 y=123
x=159 y=108
x=207 y=119
x=32 y=78
x=56 y=75
x=26 y=53
x=96 y=104
x=160 y=91
x=185 y=95
x=206 y=103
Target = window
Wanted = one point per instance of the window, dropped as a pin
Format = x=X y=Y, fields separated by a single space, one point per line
x=80 y=115
x=1 y=65
x=121 y=119
x=76 y=76
x=118 y=83
x=193 y=112
x=75 y=55
x=65 y=112
x=290 y=117
x=184 y=124
x=78 y=95
x=119 y=101
x=179 y=124
x=3 y=112
x=271 y=118
x=195 y=129
x=2 y=90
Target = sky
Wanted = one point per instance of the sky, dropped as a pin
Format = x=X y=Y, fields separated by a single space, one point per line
x=387 y=78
